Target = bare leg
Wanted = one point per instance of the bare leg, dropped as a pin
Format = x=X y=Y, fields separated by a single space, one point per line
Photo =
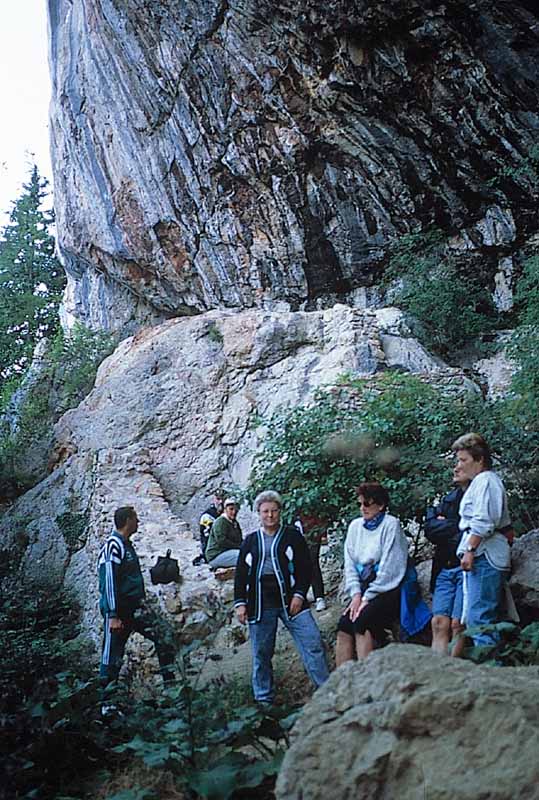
x=344 y=650
x=459 y=641
x=441 y=630
x=364 y=644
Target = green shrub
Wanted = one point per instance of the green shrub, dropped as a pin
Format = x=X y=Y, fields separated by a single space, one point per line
x=517 y=647
x=68 y=376
x=75 y=359
x=397 y=429
x=448 y=304
x=209 y=742
x=393 y=427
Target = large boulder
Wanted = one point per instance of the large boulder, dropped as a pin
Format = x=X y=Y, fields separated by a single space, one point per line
x=524 y=581
x=408 y=724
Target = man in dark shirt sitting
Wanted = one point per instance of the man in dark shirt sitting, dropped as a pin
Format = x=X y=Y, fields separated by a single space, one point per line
x=225 y=538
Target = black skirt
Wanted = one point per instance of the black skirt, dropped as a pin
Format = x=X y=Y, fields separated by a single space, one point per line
x=378 y=614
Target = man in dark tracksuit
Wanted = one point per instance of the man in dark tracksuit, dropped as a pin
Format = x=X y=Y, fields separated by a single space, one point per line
x=121 y=589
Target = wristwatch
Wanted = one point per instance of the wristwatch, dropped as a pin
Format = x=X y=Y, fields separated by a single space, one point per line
x=470 y=548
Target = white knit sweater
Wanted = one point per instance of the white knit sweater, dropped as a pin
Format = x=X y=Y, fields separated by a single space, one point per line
x=386 y=546
x=483 y=511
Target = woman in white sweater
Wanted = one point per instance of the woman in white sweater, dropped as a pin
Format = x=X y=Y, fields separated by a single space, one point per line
x=484 y=548
x=375 y=559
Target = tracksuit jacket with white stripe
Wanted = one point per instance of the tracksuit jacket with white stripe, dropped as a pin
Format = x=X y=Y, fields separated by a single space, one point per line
x=121 y=585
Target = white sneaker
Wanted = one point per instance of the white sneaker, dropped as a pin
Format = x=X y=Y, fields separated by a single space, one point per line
x=108 y=711
x=320 y=604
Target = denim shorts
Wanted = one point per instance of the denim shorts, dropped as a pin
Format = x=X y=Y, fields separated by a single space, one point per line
x=447 y=599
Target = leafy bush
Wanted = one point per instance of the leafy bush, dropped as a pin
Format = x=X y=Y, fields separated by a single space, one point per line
x=449 y=305
x=393 y=427
x=68 y=375
x=524 y=348
x=207 y=742
x=75 y=359
x=43 y=686
x=397 y=429
x=517 y=647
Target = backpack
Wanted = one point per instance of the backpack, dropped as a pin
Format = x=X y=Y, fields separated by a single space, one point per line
x=165 y=570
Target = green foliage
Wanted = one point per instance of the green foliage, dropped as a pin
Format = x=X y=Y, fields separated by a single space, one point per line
x=449 y=306
x=204 y=742
x=396 y=429
x=31 y=278
x=393 y=427
x=42 y=732
x=524 y=347
x=214 y=334
x=528 y=168
x=74 y=529
x=517 y=647
x=75 y=359
x=69 y=374
x=213 y=741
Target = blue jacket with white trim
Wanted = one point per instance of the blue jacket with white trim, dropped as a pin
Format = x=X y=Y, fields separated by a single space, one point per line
x=291 y=562
x=121 y=585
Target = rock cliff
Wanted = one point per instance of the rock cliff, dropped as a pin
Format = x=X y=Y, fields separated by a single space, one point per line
x=174 y=414
x=233 y=153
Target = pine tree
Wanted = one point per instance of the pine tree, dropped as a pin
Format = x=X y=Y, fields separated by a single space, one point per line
x=31 y=278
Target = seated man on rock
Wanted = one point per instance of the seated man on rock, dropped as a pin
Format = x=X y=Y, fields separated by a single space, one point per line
x=225 y=538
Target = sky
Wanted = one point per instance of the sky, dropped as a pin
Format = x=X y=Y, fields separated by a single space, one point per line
x=24 y=97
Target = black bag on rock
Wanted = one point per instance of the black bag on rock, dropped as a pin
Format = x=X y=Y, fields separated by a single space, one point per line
x=166 y=570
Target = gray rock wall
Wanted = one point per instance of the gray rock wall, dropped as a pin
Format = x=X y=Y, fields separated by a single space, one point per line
x=245 y=153
x=174 y=414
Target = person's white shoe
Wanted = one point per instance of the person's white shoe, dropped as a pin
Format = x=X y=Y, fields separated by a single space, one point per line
x=320 y=604
x=110 y=711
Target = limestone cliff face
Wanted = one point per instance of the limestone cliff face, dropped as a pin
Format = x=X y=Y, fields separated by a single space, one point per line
x=244 y=153
x=170 y=418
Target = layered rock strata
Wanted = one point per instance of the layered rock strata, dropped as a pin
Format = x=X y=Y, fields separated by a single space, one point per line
x=238 y=153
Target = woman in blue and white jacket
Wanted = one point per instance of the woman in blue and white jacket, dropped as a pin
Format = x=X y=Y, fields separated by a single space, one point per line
x=273 y=575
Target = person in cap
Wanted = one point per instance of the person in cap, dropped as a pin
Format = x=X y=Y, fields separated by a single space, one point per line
x=207 y=518
x=225 y=537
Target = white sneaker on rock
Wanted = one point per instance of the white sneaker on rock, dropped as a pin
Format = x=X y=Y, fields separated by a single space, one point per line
x=320 y=604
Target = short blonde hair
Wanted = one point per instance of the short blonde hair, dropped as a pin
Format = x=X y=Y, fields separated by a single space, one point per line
x=476 y=445
x=267 y=497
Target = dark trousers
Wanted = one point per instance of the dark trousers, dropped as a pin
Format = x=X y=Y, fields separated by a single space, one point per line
x=317 y=580
x=150 y=625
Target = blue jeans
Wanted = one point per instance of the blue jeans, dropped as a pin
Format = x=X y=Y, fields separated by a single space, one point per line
x=483 y=592
x=307 y=639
